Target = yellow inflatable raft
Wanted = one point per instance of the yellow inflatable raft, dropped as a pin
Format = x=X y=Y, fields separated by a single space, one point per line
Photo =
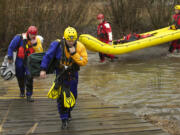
x=160 y=36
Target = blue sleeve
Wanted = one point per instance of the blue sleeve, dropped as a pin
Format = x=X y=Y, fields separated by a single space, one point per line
x=13 y=45
x=53 y=50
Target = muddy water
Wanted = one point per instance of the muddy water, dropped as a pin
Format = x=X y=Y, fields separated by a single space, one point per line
x=146 y=82
x=139 y=85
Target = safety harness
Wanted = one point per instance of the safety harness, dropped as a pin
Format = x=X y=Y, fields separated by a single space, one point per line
x=69 y=72
x=103 y=34
x=25 y=50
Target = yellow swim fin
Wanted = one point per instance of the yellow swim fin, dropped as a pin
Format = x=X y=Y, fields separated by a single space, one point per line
x=53 y=93
x=69 y=99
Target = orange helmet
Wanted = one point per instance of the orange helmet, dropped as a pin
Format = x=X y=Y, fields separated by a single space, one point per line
x=100 y=16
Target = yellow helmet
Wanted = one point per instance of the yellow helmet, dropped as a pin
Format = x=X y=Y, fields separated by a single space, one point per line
x=177 y=7
x=70 y=34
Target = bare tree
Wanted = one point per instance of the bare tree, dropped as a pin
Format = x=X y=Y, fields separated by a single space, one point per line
x=50 y=16
x=160 y=12
x=124 y=16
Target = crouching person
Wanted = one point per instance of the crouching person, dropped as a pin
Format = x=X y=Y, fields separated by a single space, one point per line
x=70 y=54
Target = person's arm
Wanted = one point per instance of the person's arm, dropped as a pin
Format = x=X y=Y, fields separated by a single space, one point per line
x=13 y=45
x=49 y=55
x=80 y=57
x=98 y=32
x=47 y=58
x=108 y=31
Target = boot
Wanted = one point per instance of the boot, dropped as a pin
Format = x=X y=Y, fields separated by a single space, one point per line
x=21 y=84
x=69 y=116
x=102 y=60
x=22 y=91
x=29 y=99
x=22 y=94
x=64 y=124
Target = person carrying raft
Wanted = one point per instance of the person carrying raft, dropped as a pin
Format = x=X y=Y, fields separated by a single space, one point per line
x=175 y=45
x=104 y=34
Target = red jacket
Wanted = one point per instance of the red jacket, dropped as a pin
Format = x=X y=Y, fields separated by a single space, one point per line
x=104 y=32
x=177 y=20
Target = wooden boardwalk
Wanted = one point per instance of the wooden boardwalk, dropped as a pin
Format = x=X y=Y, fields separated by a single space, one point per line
x=90 y=116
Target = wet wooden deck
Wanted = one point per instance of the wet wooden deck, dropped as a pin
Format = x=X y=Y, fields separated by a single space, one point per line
x=90 y=116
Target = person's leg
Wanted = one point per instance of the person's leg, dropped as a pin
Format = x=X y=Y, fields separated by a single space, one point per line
x=102 y=57
x=63 y=113
x=173 y=46
x=74 y=84
x=178 y=46
x=21 y=83
x=73 y=89
x=110 y=56
x=20 y=75
x=29 y=86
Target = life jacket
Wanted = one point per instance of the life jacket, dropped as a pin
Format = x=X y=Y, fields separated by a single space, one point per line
x=101 y=33
x=177 y=20
x=103 y=30
x=66 y=56
x=27 y=49
x=22 y=52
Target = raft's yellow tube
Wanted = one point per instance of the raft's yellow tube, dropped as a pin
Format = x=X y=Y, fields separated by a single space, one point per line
x=161 y=36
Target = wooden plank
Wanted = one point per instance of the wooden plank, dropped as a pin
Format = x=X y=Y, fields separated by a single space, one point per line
x=90 y=116
x=150 y=132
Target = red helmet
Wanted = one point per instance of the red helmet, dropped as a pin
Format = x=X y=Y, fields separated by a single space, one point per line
x=100 y=16
x=32 y=30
